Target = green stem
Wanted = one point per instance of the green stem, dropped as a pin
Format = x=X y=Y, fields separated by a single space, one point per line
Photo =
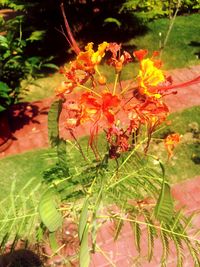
x=88 y=89
x=151 y=225
x=106 y=257
x=115 y=83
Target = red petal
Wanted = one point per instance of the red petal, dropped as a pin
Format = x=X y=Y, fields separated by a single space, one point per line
x=110 y=100
x=140 y=54
x=156 y=53
x=157 y=63
x=109 y=116
x=88 y=99
x=114 y=48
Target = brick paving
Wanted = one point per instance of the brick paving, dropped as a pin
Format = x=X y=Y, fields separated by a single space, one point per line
x=122 y=253
x=29 y=131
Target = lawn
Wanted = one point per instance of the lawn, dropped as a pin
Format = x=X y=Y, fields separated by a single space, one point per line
x=186 y=160
x=182 y=50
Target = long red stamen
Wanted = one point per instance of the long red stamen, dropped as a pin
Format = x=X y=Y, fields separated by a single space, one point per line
x=72 y=42
x=180 y=85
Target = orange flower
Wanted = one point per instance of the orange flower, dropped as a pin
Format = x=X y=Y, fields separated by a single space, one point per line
x=150 y=76
x=95 y=106
x=151 y=112
x=88 y=59
x=170 y=142
x=65 y=88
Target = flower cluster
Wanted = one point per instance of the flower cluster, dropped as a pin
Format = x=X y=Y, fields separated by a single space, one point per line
x=120 y=111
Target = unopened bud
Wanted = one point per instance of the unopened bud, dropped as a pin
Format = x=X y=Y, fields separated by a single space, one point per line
x=102 y=80
x=118 y=66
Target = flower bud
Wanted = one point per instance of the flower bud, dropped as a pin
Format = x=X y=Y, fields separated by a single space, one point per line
x=102 y=80
x=118 y=66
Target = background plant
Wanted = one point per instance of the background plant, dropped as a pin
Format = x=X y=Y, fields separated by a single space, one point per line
x=15 y=63
x=148 y=10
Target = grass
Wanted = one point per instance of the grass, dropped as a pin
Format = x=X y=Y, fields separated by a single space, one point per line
x=21 y=188
x=180 y=51
x=186 y=160
x=23 y=167
x=182 y=48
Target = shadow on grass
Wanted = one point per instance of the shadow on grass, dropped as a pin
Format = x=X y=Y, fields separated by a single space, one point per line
x=197 y=46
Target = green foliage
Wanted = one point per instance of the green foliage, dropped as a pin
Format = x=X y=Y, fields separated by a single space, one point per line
x=164 y=208
x=49 y=214
x=36 y=35
x=84 y=256
x=132 y=180
x=154 y=9
x=53 y=120
x=100 y=187
x=15 y=63
x=113 y=20
x=21 y=218
x=83 y=220
x=5 y=99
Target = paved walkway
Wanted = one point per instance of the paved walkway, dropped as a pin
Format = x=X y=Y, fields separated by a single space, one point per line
x=29 y=123
x=122 y=253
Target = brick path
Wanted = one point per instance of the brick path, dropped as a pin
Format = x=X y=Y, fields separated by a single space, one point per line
x=122 y=252
x=29 y=129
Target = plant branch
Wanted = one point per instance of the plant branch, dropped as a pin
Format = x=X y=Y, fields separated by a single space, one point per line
x=170 y=27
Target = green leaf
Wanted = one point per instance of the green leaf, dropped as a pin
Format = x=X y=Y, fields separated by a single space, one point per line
x=113 y=20
x=50 y=65
x=53 y=242
x=165 y=244
x=151 y=233
x=164 y=207
x=137 y=235
x=84 y=256
x=118 y=228
x=49 y=214
x=3 y=41
x=83 y=219
x=62 y=156
x=4 y=87
x=2 y=108
x=4 y=241
x=53 y=119
x=179 y=250
x=36 y=35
